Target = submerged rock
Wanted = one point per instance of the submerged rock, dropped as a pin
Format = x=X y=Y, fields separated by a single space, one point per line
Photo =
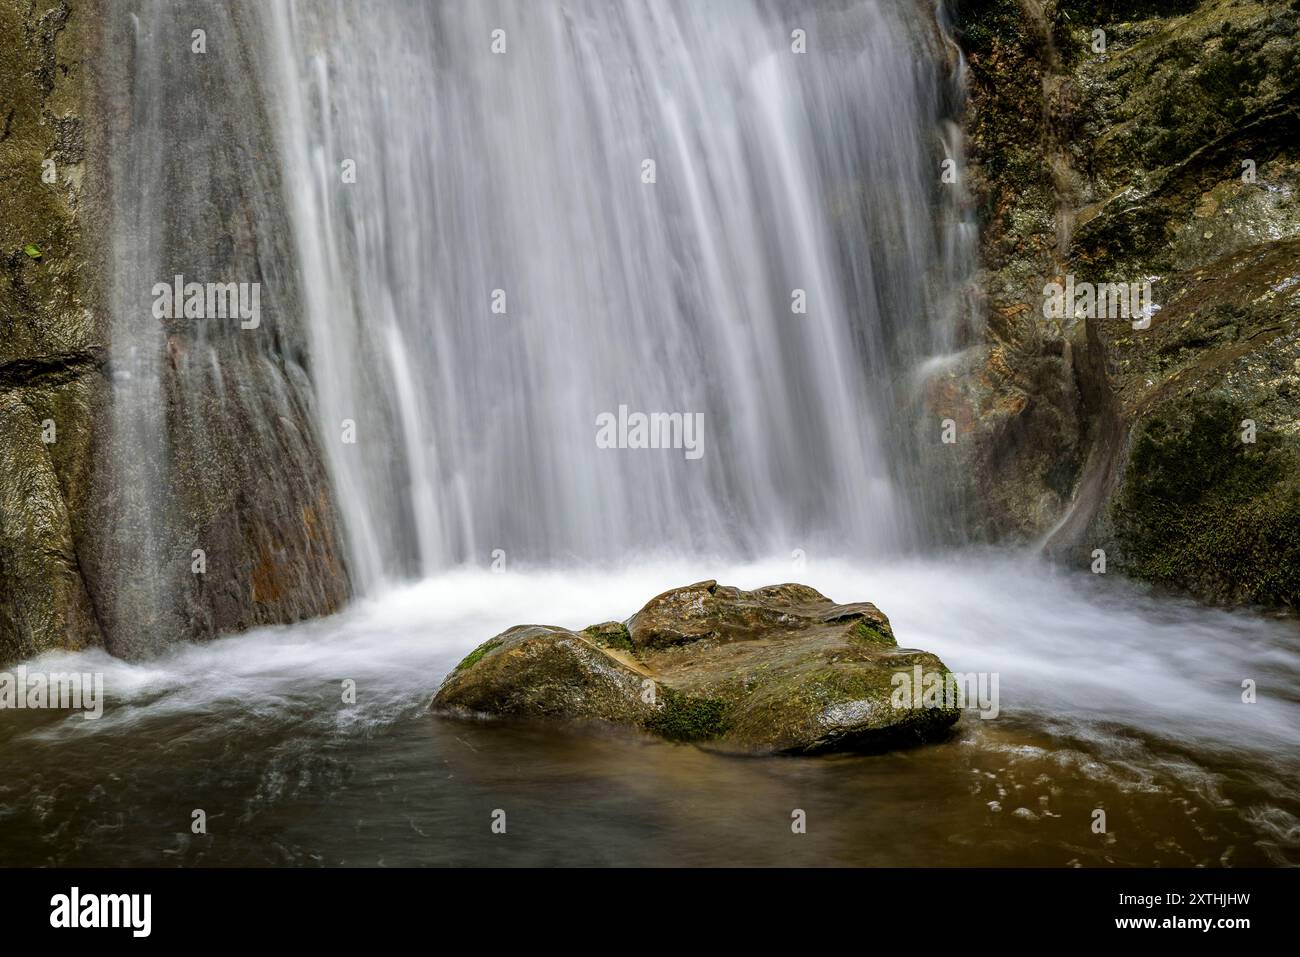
x=780 y=669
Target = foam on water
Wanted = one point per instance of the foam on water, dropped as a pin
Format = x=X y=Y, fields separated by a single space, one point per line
x=1068 y=649
x=1107 y=697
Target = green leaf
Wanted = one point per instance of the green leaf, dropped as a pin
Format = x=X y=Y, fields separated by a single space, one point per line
x=32 y=250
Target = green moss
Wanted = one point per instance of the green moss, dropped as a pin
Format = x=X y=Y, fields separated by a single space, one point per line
x=686 y=718
x=983 y=23
x=612 y=634
x=1101 y=12
x=866 y=631
x=1208 y=93
x=475 y=656
x=1061 y=474
x=1204 y=511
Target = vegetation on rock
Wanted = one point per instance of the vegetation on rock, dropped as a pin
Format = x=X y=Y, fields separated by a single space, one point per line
x=780 y=669
x=1169 y=154
x=684 y=718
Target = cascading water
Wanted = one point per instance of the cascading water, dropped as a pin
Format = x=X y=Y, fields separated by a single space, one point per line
x=501 y=272
x=522 y=171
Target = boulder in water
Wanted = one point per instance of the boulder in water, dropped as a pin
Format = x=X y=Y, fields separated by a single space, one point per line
x=541 y=671
x=777 y=670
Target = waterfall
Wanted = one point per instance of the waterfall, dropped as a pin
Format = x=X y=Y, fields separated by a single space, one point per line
x=486 y=235
x=513 y=219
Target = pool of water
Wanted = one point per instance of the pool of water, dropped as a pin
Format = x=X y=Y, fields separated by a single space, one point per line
x=1110 y=699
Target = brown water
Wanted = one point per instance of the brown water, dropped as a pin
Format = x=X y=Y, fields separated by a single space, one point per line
x=1109 y=699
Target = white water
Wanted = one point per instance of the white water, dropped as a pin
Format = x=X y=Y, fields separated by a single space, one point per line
x=1106 y=698
x=522 y=172
x=1090 y=655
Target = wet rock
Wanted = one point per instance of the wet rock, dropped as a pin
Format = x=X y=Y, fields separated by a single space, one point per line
x=780 y=669
x=1205 y=493
x=538 y=671
x=103 y=503
x=1169 y=157
x=1192 y=483
x=211 y=449
x=51 y=345
x=1014 y=396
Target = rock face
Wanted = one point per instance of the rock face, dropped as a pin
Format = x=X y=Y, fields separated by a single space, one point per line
x=1171 y=155
x=128 y=444
x=52 y=348
x=780 y=669
x=211 y=442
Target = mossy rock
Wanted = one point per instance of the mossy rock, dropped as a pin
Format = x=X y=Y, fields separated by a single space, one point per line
x=540 y=671
x=707 y=610
x=475 y=656
x=777 y=670
x=681 y=717
x=1197 y=506
x=610 y=634
x=1205 y=511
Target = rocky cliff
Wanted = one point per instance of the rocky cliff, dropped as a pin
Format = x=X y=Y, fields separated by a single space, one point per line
x=1134 y=142
x=160 y=478
x=53 y=346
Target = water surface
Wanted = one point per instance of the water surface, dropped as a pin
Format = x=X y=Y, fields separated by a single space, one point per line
x=1109 y=699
